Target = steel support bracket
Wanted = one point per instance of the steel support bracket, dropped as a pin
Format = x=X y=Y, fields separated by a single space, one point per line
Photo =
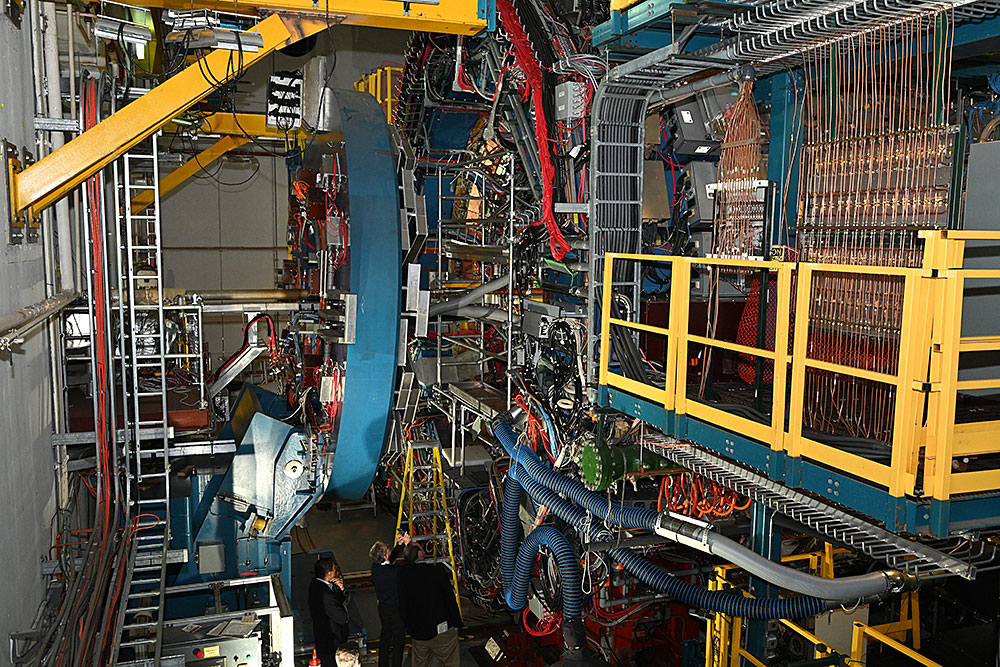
x=11 y=168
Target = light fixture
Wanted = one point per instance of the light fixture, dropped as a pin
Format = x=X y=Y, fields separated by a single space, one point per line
x=202 y=29
x=218 y=38
x=106 y=27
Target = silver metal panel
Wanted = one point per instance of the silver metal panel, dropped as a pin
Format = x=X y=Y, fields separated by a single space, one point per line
x=57 y=124
x=350 y=318
x=239 y=364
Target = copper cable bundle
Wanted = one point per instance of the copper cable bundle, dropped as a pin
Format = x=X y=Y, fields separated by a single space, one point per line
x=876 y=169
x=739 y=213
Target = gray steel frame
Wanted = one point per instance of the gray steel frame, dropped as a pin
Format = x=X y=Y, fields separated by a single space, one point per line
x=901 y=553
x=617 y=139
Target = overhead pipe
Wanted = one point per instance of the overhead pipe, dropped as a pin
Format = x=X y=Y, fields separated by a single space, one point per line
x=469 y=298
x=727 y=78
x=18 y=322
x=248 y=294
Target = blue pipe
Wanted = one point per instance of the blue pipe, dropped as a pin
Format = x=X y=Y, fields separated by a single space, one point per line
x=510 y=528
x=544 y=484
x=569 y=570
x=601 y=507
x=517 y=562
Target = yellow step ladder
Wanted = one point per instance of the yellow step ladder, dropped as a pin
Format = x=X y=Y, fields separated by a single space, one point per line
x=423 y=505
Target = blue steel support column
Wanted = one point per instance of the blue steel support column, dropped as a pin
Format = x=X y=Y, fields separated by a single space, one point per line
x=766 y=541
x=784 y=150
x=787 y=92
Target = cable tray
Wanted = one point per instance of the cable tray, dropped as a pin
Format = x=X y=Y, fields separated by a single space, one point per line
x=914 y=557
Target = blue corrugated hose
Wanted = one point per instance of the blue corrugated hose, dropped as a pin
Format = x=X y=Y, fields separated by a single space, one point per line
x=517 y=562
x=543 y=485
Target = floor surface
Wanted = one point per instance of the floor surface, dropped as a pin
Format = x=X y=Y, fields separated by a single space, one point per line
x=349 y=537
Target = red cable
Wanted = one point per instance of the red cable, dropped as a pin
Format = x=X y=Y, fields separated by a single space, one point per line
x=533 y=75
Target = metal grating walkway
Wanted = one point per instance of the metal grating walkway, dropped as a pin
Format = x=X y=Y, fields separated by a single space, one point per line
x=903 y=554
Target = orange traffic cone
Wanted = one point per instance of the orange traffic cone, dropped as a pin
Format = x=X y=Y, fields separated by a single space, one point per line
x=314 y=661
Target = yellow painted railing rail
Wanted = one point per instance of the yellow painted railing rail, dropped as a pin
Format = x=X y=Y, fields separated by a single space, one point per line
x=924 y=378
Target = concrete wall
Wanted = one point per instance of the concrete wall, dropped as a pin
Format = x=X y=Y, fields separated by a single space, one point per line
x=218 y=236
x=26 y=477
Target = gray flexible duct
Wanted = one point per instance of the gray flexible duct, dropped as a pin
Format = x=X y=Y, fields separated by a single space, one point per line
x=486 y=313
x=698 y=535
x=841 y=588
x=470 y=297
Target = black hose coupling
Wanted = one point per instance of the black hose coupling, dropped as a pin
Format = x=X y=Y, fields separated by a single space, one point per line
x=898 y=582
x=745 y=73
x=509 y=417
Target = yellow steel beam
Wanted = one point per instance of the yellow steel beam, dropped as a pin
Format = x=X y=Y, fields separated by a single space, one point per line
x=459 y=17
x=252 y=124
x=51 y=178
x=187 y=170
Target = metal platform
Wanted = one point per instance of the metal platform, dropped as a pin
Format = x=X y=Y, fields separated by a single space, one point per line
x=839 y=526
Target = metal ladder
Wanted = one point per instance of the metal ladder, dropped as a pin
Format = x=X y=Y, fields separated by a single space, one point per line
x=423 y=501
x=142 y=351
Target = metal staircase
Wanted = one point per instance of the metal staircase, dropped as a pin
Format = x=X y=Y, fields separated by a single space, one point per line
x=142 y=350
x=423 y=504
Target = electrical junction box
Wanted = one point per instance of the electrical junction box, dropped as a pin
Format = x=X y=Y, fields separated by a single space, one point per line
x=570 y=102
x=688 y=131
x=698 y=175
x=211 y=557
x=284 y=100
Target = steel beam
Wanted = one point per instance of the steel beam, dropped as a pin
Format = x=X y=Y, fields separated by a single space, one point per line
x=187 y=170
x=51 y=178
x=243 y=124
x=459 y=17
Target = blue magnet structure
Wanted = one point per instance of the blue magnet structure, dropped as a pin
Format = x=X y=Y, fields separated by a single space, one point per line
x=376 y=251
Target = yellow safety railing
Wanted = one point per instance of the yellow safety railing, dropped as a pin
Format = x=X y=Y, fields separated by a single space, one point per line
x=725 y=633
x=923 y=377
x=861 y=631
x=382 y=84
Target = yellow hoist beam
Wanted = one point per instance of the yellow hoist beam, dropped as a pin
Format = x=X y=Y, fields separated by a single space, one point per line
x=54 y=176
x=458 y=17
x=187 y=170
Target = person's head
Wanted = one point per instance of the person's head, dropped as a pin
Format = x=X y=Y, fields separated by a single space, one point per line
x=413 y=553
x=325 y=569
x=379 y=552
x=349 y=655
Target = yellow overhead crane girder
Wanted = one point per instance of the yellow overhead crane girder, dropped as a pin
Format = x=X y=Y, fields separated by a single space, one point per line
x=459 y=17
x=54 y=176
x=187 y=170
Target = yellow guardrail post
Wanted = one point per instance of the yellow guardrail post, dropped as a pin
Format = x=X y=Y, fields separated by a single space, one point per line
x=609 y=261
x=680 y=306
x=781 y=330
x=904 y=405
x=799 y=345
x=938 y=458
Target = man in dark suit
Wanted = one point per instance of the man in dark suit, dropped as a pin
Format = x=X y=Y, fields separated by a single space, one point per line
x=392 y=640
x=328 y=608
x=429 y=609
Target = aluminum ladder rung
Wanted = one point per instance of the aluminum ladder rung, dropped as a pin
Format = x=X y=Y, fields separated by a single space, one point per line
x=428 y=538
x=143 y=582
x=139 y=610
